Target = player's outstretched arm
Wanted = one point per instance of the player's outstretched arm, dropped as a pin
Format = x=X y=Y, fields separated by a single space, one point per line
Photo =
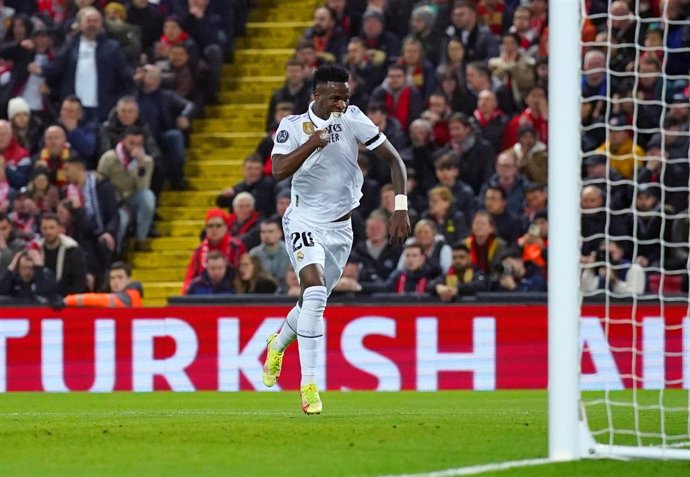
x=284 y=165
x=400 y=221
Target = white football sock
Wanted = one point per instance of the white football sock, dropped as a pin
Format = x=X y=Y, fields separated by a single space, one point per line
x=288 y=333
x=310 y=331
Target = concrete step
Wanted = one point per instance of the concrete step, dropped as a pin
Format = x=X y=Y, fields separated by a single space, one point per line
x=286 y=39
x=188 y=199
x=238 y=124
x=264 y=55
x=211 y=183
x=182 y=213
x=253 y=69
x=277 y=29
x=167 y=244
x=220 y=154
x=243 y=97
x=211 y=168
x=160 y=291
x=156 y=260
x=156 y=275
x=155 y=302
x=231 y=110
x=181 y=228
x=210 y=141
x=252 y=83
x=299 y=13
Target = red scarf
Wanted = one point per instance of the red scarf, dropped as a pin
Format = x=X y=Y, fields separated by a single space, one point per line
x=57 y=9
x=181 y=38
x=401 y=109
x=419 y=288
x=485 y=120
x=230 y=247
x=237 y=229
x=481 y=255
x=54 y=165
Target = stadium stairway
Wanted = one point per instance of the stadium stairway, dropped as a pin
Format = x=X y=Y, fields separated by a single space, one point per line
x=219 y=141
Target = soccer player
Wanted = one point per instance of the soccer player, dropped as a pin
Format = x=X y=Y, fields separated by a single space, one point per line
x=319 y=149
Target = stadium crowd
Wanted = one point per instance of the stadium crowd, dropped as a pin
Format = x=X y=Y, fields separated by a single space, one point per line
x=460 y=88
x=96 y=101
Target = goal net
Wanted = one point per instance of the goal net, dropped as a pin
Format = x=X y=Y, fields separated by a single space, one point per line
x=634 y=330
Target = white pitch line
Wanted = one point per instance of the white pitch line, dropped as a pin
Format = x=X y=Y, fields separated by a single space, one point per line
x=478 y=469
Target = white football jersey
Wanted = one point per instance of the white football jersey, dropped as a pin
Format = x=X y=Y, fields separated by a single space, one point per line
x=328 y=185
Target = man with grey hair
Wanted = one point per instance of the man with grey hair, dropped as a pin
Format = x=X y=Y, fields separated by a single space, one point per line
x=90 y=66
x=243 y=223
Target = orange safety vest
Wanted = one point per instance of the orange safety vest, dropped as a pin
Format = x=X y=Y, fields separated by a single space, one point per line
x=126 y=299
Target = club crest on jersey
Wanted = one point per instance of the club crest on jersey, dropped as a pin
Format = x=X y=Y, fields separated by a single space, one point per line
x=308 y=128
x=299 y=255
x=282 y=137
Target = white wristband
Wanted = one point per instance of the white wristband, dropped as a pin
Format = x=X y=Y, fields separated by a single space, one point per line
x=401 y=202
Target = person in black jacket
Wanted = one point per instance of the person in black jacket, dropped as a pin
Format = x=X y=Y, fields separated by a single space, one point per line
x=167 y=115
x=377 y=256
x=28 y=279
x=62 y=256
x=90 y=51
x=416 y=277
x=254 y=181
x=295 y=90
x=96 y=197
x=462 y=278
x=216 y=279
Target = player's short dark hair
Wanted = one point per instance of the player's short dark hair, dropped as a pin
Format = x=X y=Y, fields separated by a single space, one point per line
x=127 y=268
x=461 y=246
x=134 y=130
x=330 y=74
x=49 y=216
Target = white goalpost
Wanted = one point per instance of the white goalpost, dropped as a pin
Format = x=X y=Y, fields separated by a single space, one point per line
x=640 y=410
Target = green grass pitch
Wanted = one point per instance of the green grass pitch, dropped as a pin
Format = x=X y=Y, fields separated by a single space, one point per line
x=264 y=434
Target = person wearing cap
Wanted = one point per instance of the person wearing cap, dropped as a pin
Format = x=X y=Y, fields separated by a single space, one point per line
x=217 y=239
x=126 y=34
x=679 y=109
x=29 y=56
x=383 y=47
x=26 y=127
x=422 y=28
x=624 y=155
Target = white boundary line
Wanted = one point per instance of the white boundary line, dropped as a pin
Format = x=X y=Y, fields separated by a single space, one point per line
x=479 y=469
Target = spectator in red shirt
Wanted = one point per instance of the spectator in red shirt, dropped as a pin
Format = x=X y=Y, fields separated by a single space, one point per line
x=536 y=114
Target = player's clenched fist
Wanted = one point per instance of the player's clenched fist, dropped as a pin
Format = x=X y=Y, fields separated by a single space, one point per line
x=319 y=138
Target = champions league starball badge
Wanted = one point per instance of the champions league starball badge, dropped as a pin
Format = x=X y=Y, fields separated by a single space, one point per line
x=282 y=136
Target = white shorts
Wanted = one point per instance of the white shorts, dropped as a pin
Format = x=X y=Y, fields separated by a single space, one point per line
x=327 y=244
